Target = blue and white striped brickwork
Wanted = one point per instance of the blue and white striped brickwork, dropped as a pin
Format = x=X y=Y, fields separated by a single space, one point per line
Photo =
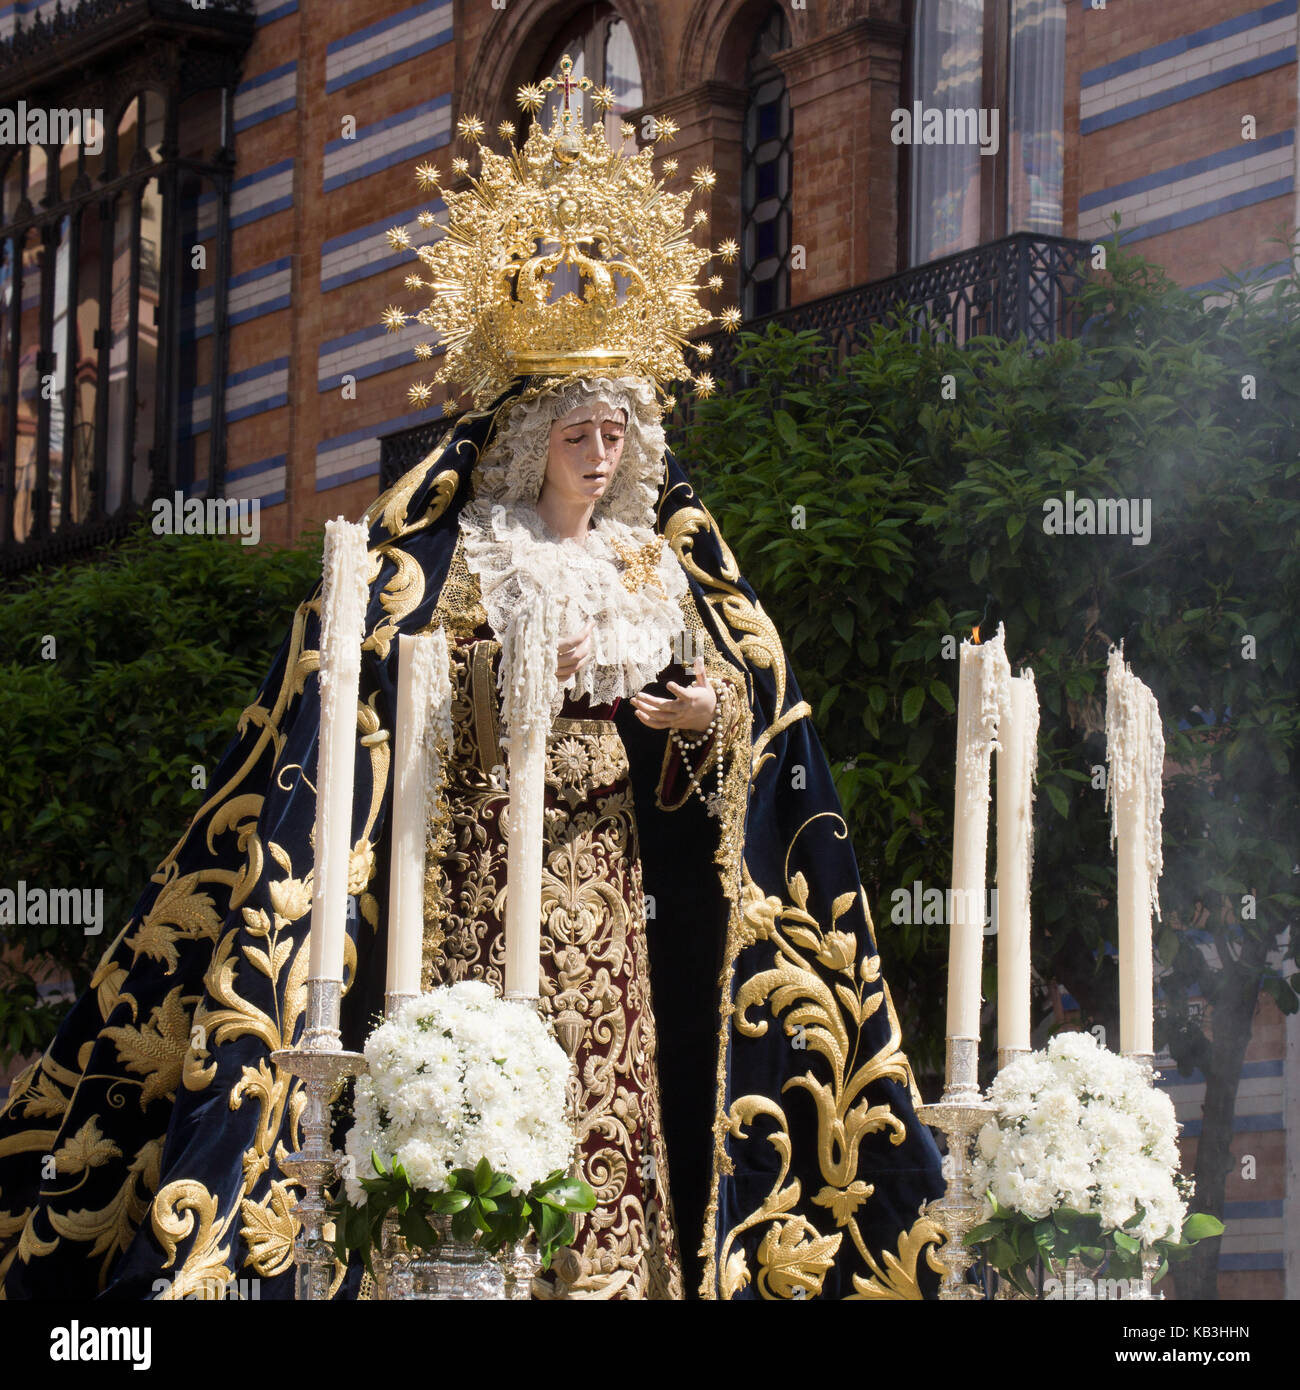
x=1238 y=173
x=400 y=136
x=1254 y=1235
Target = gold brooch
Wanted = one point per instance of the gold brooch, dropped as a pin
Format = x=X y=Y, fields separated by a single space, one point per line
x=641 y=565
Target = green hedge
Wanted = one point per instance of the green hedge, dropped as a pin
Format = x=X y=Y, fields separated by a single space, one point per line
x=158 y=646
x=923 y=514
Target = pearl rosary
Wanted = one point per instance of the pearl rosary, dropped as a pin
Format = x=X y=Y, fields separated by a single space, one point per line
x=713 y=801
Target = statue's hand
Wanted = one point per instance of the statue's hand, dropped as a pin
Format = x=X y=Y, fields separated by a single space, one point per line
x=691 y=707
x=572 y=652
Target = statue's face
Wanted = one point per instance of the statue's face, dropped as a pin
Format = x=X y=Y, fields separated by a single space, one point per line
x=585 y=448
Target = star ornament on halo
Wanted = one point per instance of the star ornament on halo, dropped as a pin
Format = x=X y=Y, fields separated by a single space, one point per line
x=470 y=128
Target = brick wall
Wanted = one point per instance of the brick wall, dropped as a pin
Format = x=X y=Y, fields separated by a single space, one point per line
x=1156 y=130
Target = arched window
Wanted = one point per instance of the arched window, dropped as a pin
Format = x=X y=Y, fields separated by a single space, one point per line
x=600 y=44
x=765 y=185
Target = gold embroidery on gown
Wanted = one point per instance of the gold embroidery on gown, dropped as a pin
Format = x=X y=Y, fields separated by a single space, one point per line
x=595 y=959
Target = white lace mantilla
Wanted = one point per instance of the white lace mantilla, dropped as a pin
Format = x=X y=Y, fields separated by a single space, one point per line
x=520 y=565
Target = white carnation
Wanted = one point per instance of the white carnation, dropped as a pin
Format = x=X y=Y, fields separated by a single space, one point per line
x=1077 y=1126
x=458 y=1075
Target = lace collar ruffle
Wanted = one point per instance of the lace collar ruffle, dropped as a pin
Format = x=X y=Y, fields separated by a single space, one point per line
x=624 y=578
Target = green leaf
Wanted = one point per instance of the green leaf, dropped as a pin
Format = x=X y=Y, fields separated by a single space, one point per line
x=483 y=1176
x=786 y=428
x=1058 y=799
x=1026 y=1245
x=1199 y=1226
x=416 y=1229
x=548 y=1221
x=1002 y=1254
x=940 y=691
x=912 y=703
x=447 y=1203
x=1065 y=1218
x=1281 y=993
x=570 y=1194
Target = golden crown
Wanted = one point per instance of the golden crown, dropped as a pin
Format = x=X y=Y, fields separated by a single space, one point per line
x=566 y=197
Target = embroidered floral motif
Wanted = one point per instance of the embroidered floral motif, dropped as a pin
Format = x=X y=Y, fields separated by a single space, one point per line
x=595 y=971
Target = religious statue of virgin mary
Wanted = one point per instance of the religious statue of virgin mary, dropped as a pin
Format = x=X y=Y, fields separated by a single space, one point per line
x=743 y=1106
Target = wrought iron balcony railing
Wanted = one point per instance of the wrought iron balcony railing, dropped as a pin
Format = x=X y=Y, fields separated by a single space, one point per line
x=1024 y=283
x=76 y=32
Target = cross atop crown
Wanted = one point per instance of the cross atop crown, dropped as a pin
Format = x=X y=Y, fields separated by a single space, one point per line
x=568 y=84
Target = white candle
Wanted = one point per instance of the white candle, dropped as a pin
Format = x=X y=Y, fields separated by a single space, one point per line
x=1017 y=761
x=982 y=680
x=423 y=716
x=343 y=617
x=528 y=666
x=1135 y=752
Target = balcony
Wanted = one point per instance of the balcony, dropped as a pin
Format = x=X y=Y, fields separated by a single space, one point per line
x=76 y=35
x=1022 y=283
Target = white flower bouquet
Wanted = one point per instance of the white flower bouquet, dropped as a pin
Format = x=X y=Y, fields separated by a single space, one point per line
x=461 y=1114
x=1080 y=1162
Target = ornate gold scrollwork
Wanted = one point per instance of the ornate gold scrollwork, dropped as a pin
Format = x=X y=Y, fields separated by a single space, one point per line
x=759 y=643
x=818 y=991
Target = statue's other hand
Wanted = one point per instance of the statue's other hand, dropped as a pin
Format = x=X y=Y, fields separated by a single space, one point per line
x=572 y=652
x=691 y=706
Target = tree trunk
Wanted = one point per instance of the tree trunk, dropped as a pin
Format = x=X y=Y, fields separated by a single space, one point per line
x=1233 y=1016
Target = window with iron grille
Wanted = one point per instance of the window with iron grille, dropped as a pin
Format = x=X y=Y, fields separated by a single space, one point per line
x=114 y=257
x=766 y=177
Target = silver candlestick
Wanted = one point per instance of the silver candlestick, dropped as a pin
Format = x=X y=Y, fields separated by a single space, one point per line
x=522 y=1261
x=322 y=1063
x=960 y=1113
x=1150 y=1259
x=1007 y=1055
x=394 y=999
